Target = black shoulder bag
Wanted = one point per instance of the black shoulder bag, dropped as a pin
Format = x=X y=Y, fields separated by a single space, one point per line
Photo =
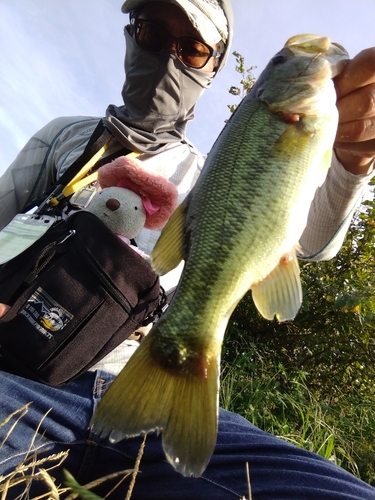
x=75 y=294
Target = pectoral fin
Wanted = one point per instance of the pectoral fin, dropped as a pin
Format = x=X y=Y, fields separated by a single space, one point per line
x=295 y=138
x=168 y=250
x=280 y=293
x=296 y=141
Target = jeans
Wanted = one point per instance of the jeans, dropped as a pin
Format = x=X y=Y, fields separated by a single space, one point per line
x=278 y=470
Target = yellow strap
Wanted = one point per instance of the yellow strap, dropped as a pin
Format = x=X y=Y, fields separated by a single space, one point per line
x=71 y=188
x=79 y=181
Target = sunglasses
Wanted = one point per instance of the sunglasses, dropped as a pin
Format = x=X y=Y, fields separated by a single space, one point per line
x=154 y=38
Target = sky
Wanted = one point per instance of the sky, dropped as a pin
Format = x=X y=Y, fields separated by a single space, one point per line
x=65 y=58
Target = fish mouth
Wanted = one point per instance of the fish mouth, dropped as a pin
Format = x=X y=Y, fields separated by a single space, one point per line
x=306 y=44
x=310 y=90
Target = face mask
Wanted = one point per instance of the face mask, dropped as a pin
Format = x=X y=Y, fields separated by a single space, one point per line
x=159 y=93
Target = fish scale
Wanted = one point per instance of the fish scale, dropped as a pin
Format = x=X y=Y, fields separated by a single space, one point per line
x=238 y=229
x=244 y=185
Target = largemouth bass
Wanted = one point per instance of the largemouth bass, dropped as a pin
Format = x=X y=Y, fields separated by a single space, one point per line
x=238 y=229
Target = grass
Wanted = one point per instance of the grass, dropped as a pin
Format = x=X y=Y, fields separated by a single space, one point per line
x=283 y=405
x=33 y=469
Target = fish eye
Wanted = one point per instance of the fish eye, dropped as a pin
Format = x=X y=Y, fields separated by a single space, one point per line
x=278 y=59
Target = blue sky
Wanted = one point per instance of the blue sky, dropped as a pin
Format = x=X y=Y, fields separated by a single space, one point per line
x=65 y=57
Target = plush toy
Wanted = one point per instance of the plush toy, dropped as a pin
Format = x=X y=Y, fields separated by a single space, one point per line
x=132 y=198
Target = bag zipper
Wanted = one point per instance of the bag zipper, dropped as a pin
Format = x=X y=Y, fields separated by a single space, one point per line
x=112 y=290
x=40 y=264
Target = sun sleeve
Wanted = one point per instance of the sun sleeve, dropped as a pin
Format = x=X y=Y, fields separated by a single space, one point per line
x=332 y=211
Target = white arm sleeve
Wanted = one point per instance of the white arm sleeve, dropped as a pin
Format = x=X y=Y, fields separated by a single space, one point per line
x=331 y=212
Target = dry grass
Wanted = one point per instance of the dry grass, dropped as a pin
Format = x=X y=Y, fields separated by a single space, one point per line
x=33 y=469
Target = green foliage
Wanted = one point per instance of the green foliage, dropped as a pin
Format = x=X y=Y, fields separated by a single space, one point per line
x=246 y=82
x=312 y=381
x=78 y=490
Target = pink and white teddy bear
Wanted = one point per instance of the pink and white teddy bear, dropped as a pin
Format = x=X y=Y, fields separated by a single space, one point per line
x=132 y=198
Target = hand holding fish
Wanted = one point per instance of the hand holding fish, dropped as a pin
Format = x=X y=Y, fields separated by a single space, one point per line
x=355 y=139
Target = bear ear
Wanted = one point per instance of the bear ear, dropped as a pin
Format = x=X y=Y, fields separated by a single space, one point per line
x=157 y=189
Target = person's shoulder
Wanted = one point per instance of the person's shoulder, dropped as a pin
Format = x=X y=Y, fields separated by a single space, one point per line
x=71 y=125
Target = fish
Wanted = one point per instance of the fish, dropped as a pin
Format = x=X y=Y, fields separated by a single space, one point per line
x=237 y=230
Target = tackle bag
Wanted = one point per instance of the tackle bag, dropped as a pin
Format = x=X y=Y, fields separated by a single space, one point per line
x=75 y=294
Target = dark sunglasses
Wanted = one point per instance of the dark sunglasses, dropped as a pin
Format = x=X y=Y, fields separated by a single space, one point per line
x=154 y=38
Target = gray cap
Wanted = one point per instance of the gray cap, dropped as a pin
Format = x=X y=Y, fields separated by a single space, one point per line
x=206 y=16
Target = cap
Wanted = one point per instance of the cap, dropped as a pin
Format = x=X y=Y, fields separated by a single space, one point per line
x=155 y=189
x=205 y=15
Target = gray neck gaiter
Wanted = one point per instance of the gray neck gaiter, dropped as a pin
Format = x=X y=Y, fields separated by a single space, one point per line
x=159 y=95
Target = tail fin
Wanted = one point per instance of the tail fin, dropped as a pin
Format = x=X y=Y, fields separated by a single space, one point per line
x=145 y=397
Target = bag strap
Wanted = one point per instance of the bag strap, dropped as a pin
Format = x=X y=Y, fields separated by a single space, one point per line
x=98 y=140
x=75 y=175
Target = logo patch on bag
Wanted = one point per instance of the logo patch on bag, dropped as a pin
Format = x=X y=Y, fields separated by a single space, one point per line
x=45 y=314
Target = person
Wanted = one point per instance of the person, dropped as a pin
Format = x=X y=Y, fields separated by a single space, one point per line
x=164 y=79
